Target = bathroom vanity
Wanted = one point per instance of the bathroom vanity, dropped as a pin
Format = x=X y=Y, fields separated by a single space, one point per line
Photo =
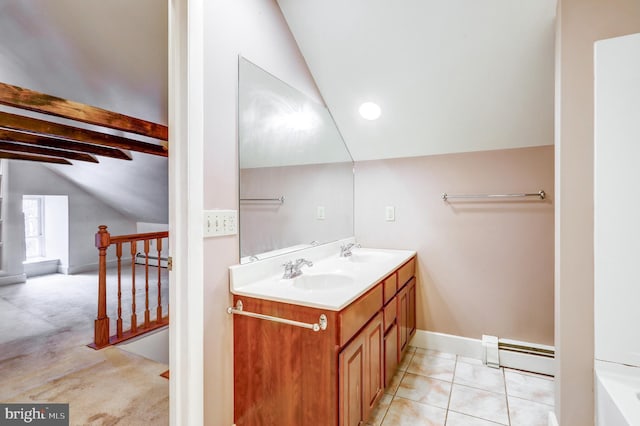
x=364 y=308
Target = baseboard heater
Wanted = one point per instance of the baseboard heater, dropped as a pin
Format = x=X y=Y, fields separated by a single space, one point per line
x=521 y=356
x=526 y=348
x=492 y=351
x=140 y=259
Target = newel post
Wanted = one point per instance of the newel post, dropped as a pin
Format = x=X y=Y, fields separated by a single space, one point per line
x=101 y=330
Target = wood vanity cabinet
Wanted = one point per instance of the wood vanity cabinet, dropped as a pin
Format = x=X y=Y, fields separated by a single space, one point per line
x=390 y=353
x=361 y=374
x=293 y=376
x=406 y=305
x=406 y=315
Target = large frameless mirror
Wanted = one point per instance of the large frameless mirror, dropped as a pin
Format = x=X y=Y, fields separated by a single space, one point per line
x=296 y=174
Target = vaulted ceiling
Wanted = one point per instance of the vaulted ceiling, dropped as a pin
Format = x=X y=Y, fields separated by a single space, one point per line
x=449 y=76
x=111 y=55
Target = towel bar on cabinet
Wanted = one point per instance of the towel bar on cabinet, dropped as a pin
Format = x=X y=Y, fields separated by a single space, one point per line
x=320 y=325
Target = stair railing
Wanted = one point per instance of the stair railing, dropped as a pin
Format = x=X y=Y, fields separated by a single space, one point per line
x=103 y=241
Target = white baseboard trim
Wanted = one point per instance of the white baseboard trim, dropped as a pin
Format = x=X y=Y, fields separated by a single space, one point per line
x=93 y=267
x=79 y=269
x=41 y=267
x=472 y=348
x=13 y=279
x=464 y=346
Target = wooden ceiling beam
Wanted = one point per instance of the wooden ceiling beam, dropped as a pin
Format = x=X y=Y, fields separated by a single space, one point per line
x=47 y=128
x=19 y=97
x=9 y=135
x=51 y=152
x=27 y=157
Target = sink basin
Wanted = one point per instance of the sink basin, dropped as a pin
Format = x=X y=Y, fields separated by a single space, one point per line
x=328 y=281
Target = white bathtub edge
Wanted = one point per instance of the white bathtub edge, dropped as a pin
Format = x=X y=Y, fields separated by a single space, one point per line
x=616 y=390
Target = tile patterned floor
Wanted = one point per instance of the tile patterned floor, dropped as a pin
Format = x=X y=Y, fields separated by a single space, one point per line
x=436 y=388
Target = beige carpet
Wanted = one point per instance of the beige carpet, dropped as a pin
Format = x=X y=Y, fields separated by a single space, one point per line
x=45 y=325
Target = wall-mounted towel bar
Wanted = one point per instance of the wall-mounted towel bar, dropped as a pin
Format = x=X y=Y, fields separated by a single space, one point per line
x=320 y=325
x=275 y=199
x=540 y=194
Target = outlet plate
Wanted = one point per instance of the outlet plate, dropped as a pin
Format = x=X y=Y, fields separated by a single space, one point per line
x=390 y=213
x=217 y=223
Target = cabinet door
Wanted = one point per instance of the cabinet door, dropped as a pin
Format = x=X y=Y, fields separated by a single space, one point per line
x=390 y=353
x=411 y=314
x=351 y=389
x=374 y=363
x=403 y=320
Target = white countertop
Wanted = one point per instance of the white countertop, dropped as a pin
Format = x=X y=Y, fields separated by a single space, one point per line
x=361 y=271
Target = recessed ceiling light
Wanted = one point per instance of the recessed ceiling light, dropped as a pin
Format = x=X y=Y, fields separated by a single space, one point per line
x=370 y=111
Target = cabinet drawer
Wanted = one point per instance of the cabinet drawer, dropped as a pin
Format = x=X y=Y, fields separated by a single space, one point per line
x=356 y=315
x=390 y=313
x=390 y=286
x=406 y=272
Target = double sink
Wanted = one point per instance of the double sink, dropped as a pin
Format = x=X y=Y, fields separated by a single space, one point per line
x=332 y=282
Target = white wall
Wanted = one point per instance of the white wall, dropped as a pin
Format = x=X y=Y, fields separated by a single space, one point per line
x=616 y=208
x=56 y=229
x=85 y=215
x=13 y=250
x=484 y=266
x=266 y=226
x=580 y=24
x=144 y=227
x=256 y=30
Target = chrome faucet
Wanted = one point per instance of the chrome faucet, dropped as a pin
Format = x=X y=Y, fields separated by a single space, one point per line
x=345 y=249
x=292 y=270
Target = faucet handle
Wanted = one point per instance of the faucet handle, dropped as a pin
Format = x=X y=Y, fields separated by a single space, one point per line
x=345 y=249
x=302 y=261
x=288 y=269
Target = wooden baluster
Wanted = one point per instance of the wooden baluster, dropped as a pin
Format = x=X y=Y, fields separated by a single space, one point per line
x=134 y=317
x=101 y=324
x=119 y=321
x=146 y=284
x=159 y=308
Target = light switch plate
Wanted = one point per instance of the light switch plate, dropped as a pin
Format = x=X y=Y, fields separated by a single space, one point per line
x=390 y=213
x=220 y=222
x=320 y=213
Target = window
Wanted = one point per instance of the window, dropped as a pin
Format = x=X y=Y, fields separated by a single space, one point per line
x=32 y=207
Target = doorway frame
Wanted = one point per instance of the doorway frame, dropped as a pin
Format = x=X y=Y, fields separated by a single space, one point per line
x=186 y=189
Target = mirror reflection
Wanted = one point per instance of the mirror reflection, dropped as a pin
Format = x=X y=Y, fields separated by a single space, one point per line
x=296 y=174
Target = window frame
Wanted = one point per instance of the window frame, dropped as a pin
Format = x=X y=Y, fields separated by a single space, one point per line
x=41 y=234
